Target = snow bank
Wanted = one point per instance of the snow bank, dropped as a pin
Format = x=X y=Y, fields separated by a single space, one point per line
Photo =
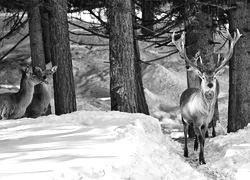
x=230 y=154
x=167 y=82
x=90 y=145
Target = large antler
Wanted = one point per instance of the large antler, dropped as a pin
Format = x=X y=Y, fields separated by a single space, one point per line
x=232 y=43
x=180 y=45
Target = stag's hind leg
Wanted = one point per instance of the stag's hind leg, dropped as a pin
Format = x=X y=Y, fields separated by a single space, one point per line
x=185 y=136
x=213 y=125
x=196 y=143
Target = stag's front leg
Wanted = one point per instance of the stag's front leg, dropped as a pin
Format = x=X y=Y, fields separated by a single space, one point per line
x=185 y=136
x=201 y=155
x=202 y=144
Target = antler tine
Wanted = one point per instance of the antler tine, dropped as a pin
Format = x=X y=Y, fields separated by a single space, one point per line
x=180 y=45
x=233 y=41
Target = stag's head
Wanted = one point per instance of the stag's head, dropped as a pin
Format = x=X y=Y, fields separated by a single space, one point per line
x=208 y=77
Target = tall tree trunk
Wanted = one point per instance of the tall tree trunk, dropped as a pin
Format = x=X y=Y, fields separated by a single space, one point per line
x=46 y=41
x=239 y=69
x=141 y=99
x=125 y=86
x=147 y=17
x=197 y=38
x=36 y=38
x=64 y=87
x=46 y=34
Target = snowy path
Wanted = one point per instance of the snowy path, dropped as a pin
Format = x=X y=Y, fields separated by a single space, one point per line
x=227 y=156
x=206 y=170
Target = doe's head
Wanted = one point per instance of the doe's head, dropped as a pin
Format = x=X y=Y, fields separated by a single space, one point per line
x=46 y=74
x=29 y=76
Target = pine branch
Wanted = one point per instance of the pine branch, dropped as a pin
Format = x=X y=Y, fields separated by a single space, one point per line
x=21 y=40
x=86 y=29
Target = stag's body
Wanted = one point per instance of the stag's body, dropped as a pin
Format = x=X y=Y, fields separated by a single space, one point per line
x=194 y=108
x=197 y=104
x=198 y=112
x=39 y=105
x=13 y=105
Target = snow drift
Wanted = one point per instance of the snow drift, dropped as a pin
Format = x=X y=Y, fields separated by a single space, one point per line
x=90 y=145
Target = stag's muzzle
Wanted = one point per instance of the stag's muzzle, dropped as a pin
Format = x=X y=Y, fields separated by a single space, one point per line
x=209 y=95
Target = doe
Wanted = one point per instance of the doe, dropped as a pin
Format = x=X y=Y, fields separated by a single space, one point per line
x=42 y=97
x=13 y=105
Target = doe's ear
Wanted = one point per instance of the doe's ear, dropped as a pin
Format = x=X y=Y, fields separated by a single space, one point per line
x=38 y=70
x=54 y=69
x=27 y=70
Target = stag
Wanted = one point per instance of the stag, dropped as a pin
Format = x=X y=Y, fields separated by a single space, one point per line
x=197 y=104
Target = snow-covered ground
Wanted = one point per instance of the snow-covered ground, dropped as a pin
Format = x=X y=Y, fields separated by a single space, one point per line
x=111 y=145
x=94 y=143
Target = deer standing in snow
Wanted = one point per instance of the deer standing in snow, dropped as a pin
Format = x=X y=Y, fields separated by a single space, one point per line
x=197 y=104
x=13 y=105
x=41 y=99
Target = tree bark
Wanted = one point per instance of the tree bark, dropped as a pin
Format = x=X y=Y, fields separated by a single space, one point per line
x=141 y=99
x=126 y=89
x=36 y=38
x=64 y=88
x=46 y=34
x=147 y=17
x=239 y=69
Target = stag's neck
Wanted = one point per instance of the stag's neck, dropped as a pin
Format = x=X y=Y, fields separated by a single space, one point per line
x=25 y=93
x=208 y=105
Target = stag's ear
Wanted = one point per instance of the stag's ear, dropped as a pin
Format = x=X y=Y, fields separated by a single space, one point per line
x=198 y=72
x=218 y=73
